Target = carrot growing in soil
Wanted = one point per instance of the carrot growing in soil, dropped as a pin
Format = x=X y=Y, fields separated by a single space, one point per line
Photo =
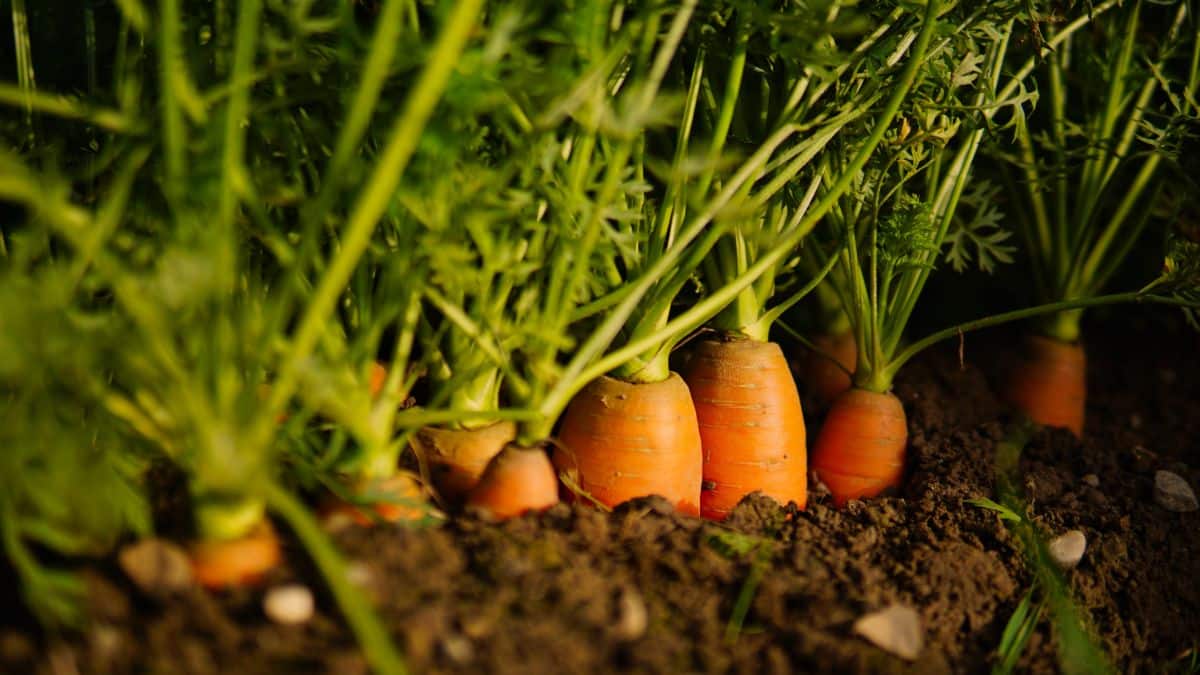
x=747 y=402
x=1084 y=198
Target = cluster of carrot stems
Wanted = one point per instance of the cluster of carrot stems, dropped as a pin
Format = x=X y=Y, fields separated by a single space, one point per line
x=298 y=245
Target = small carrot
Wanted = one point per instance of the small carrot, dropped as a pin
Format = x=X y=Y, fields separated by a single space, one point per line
x=396 y=498
x=244 y=561
x=824 y=379
x=622 y=440
x=861 y=446
x=517 y=480
x=751 y=424
x=458 y=457
x=1049 y=383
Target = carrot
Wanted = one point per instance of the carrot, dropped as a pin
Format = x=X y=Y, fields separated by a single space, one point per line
x=1049 y=383
x=751 y=424
x=458 y=457
x=823 y=378
x=517 y=480
x=861 y=446
x=397 y=498
x=244 y=561
x=622 y=440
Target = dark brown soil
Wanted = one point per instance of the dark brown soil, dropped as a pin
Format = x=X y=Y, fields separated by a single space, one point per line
x=643 y=590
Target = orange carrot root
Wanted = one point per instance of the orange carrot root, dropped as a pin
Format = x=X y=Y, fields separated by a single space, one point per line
x=623 y=440
x=457 y=457
x=377 y=378
x=823 y=379
x=516 y=480
x=399 y=498
x=860 y=449
x=1050 y=383
x=751 y=424
x=245 y=561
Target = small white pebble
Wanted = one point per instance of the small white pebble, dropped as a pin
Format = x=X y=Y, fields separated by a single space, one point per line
x=1173 y=493
x=895 y=629
x=632 y=617
x=288 y=605
x=1067 y=549
x=359 y=574
x=1091 y=479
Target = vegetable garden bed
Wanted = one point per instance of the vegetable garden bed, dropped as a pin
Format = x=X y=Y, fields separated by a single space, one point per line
x=645 y=590
x=470 y=335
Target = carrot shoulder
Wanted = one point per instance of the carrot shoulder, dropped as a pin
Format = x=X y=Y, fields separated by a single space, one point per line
x=751 y=424
x=516 y=481
x=1049 y=383
x=227 y=563
x=622 y=440
x=458 y=457
x=861 y=446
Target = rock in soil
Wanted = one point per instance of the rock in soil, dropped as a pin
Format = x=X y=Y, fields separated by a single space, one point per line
x=1173 y=493
x=1067 y=549
x=895 y=629
x=1091 y=480
x=288 y=605
x=157 y=567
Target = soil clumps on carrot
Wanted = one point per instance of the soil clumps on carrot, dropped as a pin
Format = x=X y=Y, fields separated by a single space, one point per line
x=643 y=589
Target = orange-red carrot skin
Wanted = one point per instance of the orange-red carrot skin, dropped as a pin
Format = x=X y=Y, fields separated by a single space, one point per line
x=861 y=447
x=245 y=561
x=516 y=481
x=1049 y=383
x=457 y=457
x=751 y=424
x=622 y=440
x=823 y=379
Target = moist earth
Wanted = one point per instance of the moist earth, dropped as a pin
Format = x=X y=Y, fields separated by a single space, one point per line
x=773 y=589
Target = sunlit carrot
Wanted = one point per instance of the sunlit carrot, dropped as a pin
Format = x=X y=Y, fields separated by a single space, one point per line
x=516 y=481
x=824 y=379
x=861 y=446
x=244 y=561
x=751 y=424
x=620 y=440
x=458 y=457
x=1049 y=383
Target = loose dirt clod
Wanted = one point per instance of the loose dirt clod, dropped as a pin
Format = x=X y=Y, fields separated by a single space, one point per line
x=895 y=629
x=1173 y=493
x=288 y=605
x=1067 y=549
x=157 y=567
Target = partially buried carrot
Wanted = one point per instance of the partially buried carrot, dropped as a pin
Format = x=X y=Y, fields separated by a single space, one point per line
x=393 y=499
x=244 y=561
x=861 y=446
x=458 y=457
x=826 y=379
x=516 y=481
x=621 y=440
x=751 y=424
x=1049 y=383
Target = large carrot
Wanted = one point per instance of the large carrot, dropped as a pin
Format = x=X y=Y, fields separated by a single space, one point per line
x=751 y=424
x=517 y=480
x=458 y=457
x=243 y=561
x=861 y=446
x=1049 y=383
x=621 y=440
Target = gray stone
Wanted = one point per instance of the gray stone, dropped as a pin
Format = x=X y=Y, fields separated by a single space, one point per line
x=895 y=629
x=1067 y=549
x=1173 y=493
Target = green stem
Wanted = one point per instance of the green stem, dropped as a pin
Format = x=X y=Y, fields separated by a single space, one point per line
x=173 y=130
x=381 y=653
x=372 y=204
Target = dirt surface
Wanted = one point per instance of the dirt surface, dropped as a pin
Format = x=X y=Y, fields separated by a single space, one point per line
x=643 y=590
